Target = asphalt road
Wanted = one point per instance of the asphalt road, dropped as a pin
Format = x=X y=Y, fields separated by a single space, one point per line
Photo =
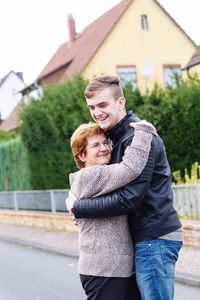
x=30 y=274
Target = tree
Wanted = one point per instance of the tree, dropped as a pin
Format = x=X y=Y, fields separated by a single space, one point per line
x=175 y=113
x=46 y=130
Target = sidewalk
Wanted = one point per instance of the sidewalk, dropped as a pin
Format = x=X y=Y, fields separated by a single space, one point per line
x=66 y=243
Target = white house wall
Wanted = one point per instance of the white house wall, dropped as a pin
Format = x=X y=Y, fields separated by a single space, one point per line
x=9 y=97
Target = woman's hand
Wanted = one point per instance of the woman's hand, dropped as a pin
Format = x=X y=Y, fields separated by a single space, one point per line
x=144 y=126
x=69 y=202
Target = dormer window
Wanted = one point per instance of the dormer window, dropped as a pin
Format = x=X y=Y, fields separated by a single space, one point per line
x=144 y=22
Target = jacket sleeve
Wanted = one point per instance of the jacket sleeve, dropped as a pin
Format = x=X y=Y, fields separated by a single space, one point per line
x=122 y=201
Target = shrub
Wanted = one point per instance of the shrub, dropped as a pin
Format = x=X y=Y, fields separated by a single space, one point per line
x=46 y=130
x=14 y=171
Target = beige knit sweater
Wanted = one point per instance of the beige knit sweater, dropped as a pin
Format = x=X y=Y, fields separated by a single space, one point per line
x=105 y=243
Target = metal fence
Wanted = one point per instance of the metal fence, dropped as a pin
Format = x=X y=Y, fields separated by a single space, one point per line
x=186 y=200
x=48 y=200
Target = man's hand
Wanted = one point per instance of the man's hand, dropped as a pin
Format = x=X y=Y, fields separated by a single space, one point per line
x=70 y=202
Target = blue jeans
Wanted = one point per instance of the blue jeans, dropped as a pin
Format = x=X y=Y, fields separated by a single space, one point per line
x=155 y=268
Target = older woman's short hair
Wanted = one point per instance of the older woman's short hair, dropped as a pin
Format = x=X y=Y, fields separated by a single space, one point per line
x=79 y=138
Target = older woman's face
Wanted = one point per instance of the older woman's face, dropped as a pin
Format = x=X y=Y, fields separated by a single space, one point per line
x=98 y=151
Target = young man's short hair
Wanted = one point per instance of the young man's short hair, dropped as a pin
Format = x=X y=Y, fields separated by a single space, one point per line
x=99 y=83
x=79 y=138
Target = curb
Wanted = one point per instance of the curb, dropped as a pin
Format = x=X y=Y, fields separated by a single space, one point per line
x=38 y=246
x=183 y=278
x=188 y=279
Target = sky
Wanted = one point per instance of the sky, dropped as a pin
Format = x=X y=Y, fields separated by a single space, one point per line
x=32 y=30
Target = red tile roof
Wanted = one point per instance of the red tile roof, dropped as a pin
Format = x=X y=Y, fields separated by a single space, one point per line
x=73 y=59
x=195 y=59
x=13 y=120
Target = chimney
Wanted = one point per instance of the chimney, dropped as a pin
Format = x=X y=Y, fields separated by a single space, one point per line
x=71 y=29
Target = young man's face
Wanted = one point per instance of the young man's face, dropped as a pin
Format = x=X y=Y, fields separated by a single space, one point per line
x=105 y=110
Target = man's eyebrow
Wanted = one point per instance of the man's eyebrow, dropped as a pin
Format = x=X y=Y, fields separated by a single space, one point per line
x=103 y=102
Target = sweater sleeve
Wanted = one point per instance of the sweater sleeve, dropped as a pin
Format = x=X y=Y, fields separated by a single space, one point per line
x=98 y=180
x=124 y=200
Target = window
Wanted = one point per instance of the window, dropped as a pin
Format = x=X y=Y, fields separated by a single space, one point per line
x=127 y=75
x=144 y=22
x=171 y=75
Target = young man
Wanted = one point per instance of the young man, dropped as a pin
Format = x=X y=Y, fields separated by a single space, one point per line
x=106 y=272
x=154 y=225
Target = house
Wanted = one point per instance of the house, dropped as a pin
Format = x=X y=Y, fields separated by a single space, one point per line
x=13 y=121
x=10 y=85
x=15 y=93
x=136 y=39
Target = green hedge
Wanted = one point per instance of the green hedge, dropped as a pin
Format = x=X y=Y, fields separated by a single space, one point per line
x=48 y=125
x=5 y=136
x=14 y=171
x=176 y=114
x=46 y=130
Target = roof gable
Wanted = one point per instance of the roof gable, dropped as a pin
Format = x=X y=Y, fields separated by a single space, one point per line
x=71 y=59
x=76 y=56
x=2 y=80
x=17 y=74
x=174 y=21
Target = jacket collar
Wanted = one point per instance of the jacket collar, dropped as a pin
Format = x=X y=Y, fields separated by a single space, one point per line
x=121 y=128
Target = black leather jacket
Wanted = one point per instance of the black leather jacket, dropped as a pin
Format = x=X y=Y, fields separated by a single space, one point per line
x=148 y=200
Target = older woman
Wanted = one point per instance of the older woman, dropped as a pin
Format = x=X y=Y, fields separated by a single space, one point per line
x=106 y=251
